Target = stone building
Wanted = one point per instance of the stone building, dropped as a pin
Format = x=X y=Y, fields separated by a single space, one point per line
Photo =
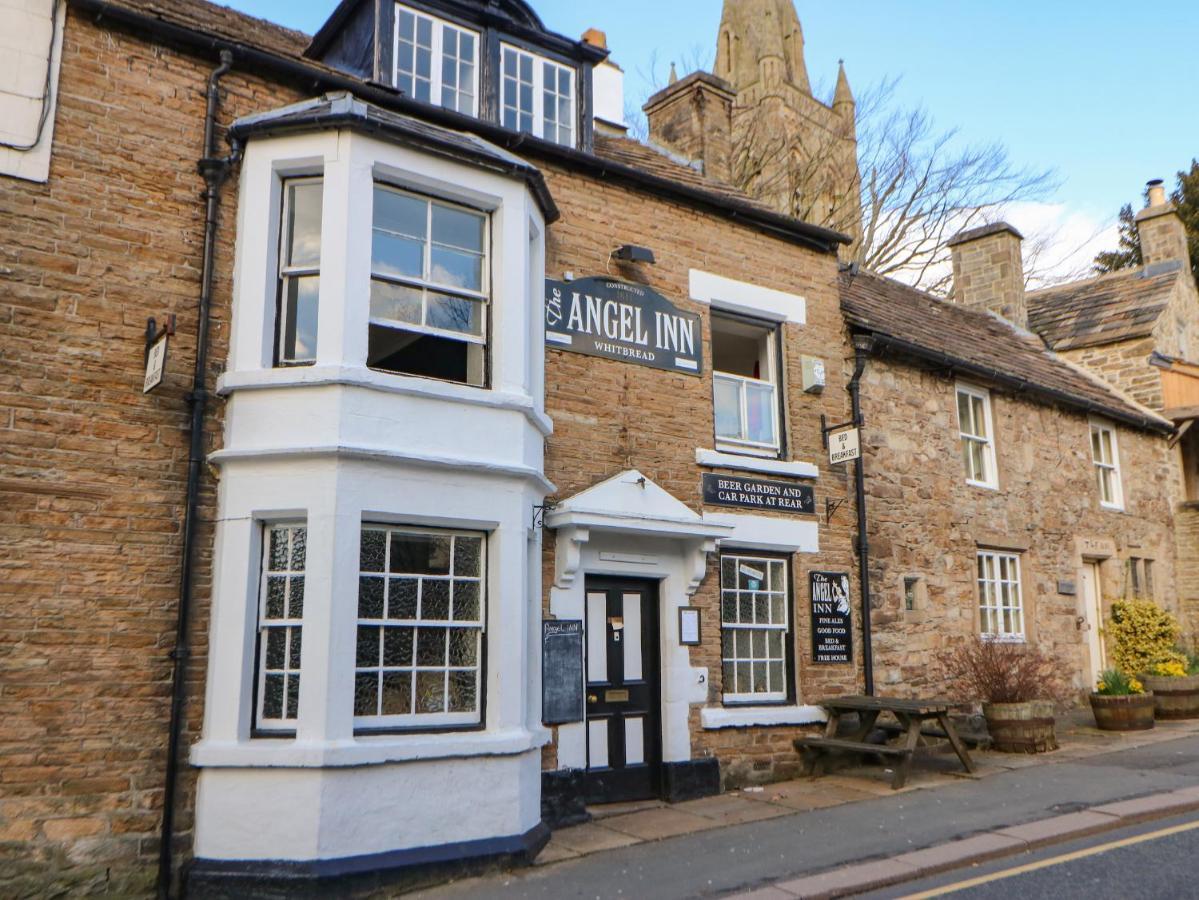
x=754 y=121
x=482 y=473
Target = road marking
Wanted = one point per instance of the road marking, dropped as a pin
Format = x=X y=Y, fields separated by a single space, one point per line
x=1055 y=861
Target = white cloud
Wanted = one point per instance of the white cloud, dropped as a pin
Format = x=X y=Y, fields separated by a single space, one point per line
x=1060 y=243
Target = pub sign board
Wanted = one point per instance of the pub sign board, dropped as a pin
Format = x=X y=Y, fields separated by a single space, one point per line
x=832 y=629
x=562 y=672
x=758 y=493
x=622 y=321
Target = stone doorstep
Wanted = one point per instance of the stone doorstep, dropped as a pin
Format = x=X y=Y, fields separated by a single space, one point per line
x=980 y=848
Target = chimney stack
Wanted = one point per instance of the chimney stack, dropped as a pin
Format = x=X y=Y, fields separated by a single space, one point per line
x=988 y=271
x=607 y=88
x=693 y=117
x=1163 y=236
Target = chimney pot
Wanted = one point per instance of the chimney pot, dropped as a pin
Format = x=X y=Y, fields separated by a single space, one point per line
x=595 y=38
x=1157 y=193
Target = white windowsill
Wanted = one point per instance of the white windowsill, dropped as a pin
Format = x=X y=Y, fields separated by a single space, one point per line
x=349 y=376
x=363 y=751
x=718 y=460
x=715 y=717
x=983 y=485
x=1112 y=507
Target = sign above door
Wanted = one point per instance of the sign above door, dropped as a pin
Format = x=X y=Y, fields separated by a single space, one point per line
x=622 y=321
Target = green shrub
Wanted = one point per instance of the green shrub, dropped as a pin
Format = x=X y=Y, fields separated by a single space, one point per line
x=1143 y=635
x=1114 y=683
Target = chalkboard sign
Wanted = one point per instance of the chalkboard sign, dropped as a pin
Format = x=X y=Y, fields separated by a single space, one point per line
x=561 y=672
x=832 y=631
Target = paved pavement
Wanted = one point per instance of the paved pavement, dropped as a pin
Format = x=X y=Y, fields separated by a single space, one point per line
x=1151 y=861
x=708 y=857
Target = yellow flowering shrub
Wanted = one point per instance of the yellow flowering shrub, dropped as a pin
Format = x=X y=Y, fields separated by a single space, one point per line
x=1172 y=669
x=1144 y=635
x=1114 y=683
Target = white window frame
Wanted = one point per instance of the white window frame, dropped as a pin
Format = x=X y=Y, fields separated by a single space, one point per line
x=742 y=444
x=426 y=282
x=1110 y=467
x=415 y=721
x=735 y=698
x=286 y=271
x=991 y=602
x=991 y=481
x=286 y=624
x=436 y=87
x=538 y=111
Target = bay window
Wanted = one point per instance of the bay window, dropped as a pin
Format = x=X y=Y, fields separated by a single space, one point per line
x=436 y=62
x=1106 y=457
x=745 y=385
x=1001 y=601
x=975 y=430
x=537 y=96
x=299 y=271
x=280 y=627
x=429 y=288
x=755 y=620
x=420 y=628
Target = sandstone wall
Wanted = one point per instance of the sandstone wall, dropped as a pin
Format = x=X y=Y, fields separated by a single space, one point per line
x=926 y=522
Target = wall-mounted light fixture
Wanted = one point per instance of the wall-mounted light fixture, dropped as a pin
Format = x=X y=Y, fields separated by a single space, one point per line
x=633 y=253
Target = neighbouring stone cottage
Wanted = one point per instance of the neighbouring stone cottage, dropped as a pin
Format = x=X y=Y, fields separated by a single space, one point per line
x=485 y=473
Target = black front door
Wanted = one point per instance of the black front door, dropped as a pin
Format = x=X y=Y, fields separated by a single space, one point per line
x=624 y=746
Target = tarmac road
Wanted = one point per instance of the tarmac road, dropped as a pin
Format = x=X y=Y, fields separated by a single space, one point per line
x=728 y=860
x=1154 y=861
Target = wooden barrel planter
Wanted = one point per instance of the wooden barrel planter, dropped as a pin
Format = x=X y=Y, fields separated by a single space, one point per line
x=1022 y=727
x=1133 y=713
x=1174 y=698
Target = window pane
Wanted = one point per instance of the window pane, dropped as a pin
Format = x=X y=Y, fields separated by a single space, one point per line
x=397 y=693
x=399 y=257
x=397 y=646
x=402 y=598
x=463 y=691
x=455 y=314
x=396 y=302
x=304 y=224
x=466 y=601
x=370 y=598
x=467 y=555
x=272 y=701
x=429 y=356
x=760 y=410
x=301 y=296
x=435 y=600
x=454 y=268
x=430 y=692
x=368 y=645
x=965 y=422
x=728 y=409
x=420 y=554
x=295 y=598
x=458 y=228
x=373 y=555
x=401 y=213
x=276 y=598
x=366 y=694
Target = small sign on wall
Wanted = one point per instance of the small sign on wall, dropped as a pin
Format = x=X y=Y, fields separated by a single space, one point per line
x=758 y=493
x=844 y=446
x=156 y=363
x=832 y=627
x=689 y=635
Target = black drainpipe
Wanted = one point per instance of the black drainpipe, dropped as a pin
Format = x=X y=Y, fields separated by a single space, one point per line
x=862 y=346
x=214 y=170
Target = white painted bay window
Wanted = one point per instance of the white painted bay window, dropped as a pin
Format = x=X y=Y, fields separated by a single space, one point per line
x=755 y=621
x=280 y=627
x=420 y=629
x=436 y=62
x=299 y=271
x=538 y=96
x=976 y=431
x=1106 y=457
x=429 y=288
x=745 y=385
x=1001 y=601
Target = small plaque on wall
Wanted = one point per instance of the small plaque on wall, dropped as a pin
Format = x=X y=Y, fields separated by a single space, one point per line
x=832 y=627
x=689 y=635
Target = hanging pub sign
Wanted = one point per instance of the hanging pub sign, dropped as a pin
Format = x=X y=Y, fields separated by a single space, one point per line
x=757 y=493
x=627 y=322
x=832 y=631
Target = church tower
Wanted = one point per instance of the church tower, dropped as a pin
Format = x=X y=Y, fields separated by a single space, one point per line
x=776 y=141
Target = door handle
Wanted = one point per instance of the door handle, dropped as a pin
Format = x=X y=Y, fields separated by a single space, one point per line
x=593 y=698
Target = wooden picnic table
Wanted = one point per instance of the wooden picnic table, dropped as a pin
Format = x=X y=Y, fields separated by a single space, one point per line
x=912 y=716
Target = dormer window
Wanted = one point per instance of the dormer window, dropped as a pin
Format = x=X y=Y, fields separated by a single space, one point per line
x=538 y=96
x=437 y=62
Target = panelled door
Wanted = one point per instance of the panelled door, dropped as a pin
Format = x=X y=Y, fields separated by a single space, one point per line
x=1093 y=619
x=623 y=699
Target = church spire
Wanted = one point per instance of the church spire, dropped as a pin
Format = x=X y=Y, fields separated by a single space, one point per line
x=756 y=35
x=843 y=101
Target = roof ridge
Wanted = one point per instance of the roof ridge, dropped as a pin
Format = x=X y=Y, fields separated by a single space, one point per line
x=1137 y=272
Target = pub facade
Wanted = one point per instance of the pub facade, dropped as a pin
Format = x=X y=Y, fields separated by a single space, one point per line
x=483 y=472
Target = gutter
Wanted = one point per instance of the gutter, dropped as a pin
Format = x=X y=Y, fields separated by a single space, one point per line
x=317 y=78
x=1021 y=385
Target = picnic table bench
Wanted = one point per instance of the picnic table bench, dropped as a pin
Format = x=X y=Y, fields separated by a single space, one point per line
x=912 y=716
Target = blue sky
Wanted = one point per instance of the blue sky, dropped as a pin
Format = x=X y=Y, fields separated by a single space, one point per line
x=1104 y=92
